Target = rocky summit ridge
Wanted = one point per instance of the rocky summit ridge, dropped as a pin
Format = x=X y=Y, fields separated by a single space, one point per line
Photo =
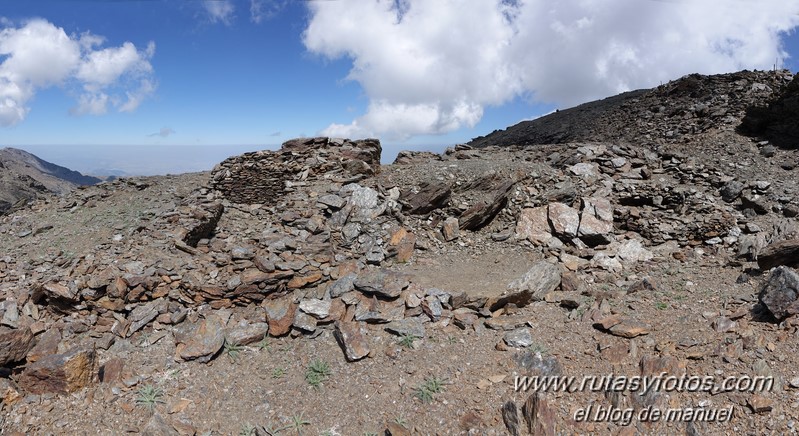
x=258 y=296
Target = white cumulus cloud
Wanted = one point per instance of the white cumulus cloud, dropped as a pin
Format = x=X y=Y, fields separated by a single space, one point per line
x=431 y=67
x=220 y=11
x=39 y=54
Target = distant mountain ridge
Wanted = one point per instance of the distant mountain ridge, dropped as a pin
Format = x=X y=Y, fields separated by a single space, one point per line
x=24 y=176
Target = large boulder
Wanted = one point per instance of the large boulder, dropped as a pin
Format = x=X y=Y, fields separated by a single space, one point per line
x=780 y=292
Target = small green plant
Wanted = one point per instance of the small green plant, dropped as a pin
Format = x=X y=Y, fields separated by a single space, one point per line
x=247 y=430
x=538 y=349
x=452 y=340
x=233 y=349
x=427 y=390
x=297 y=422
x=370 y=433
x=278 y=372
x=317 y=372
x=661 y=305
x=264 y=345
x=400 y=420
x=407 y=340
x=150 y=396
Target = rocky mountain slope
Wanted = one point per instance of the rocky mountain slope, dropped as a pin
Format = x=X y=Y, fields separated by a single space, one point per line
x=24 y=176
x=671 y=113
x=311 y=290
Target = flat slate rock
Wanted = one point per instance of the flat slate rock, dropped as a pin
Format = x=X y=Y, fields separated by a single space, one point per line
x=381 y=282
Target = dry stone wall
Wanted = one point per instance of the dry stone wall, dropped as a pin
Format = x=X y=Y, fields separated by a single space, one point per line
x=263 y=176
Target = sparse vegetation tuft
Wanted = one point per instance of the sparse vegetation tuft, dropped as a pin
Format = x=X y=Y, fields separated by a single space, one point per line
x=233 y=349
x=427 y=390
x=317 y=372
x=150 y=396
x=408 y=340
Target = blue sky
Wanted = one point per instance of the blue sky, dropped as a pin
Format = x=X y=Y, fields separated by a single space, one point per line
x=157 y=86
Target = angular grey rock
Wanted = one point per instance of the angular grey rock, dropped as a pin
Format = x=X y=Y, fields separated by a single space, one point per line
x=375 y=255
x=143 y=314
x=432 y=307
x=542 y=278
x=245 y=332
x=381 y=282
x=450 y=229
x=202 y=341
x=585 y=170
x=407 y=327
x=479 y=215
x=343 y=285
x=731 y=190
x=596 y=221
x=519 y=338
x=332 y=200
x=564 y=219
x=756 y=202
x=238 y=253
x=304 y=322
x=318 y=308
x=780 y=292
x=365 y=203
x=350 y=232
x=534 y=364
x=632 y=251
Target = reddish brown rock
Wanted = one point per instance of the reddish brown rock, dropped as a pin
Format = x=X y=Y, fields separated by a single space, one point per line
x=629 y=329
x=351 y=336
x=60 y=373
x=9 y=392
x=46 y=345
x=59 y=291
x=760 y=404
x=401 y=245
x=280 y=314
x=111 y=371
x=303 y=281
x=431 y=196
x=201 y=341
x=609 y=321
x=779 y=253
x=14 y=344
x=533 y=225
x=539 y=415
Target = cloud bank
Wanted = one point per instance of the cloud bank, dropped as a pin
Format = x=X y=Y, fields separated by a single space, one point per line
x=39 y=55
x=431 y=67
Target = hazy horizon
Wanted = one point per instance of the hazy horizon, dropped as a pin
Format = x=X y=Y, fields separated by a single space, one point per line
x=149 y=160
